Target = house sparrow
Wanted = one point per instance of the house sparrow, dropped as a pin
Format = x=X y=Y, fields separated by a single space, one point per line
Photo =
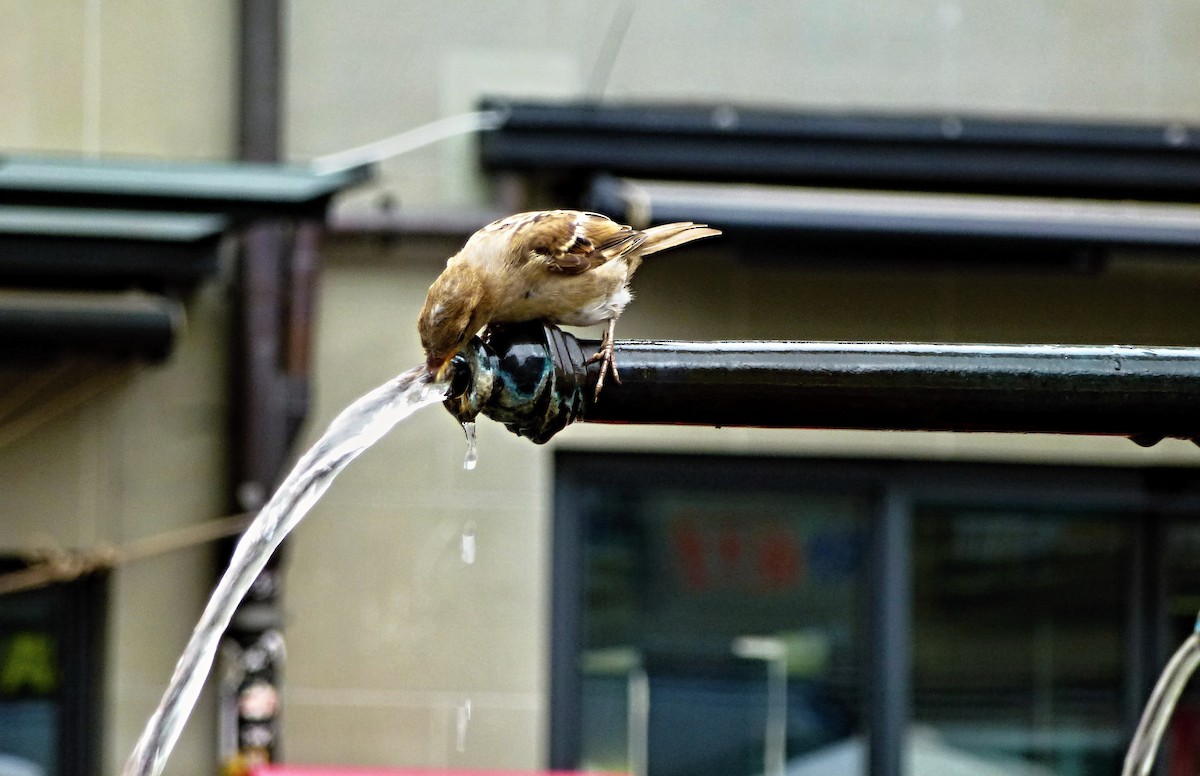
x=555 y=266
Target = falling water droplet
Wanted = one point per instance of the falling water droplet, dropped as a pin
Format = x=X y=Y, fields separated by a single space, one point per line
x=472 y=456
x=463 y=719
x=468 y=542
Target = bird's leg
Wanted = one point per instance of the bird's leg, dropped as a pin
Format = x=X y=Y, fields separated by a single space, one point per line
x=605 y=356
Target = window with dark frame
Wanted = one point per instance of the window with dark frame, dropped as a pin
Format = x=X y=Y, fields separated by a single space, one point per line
x=51 y=658
x=714 y=614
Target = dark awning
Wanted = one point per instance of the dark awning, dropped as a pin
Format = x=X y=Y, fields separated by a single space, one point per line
x=237 y=189
x=75 y=229
x=78 y=247
x=929 y=152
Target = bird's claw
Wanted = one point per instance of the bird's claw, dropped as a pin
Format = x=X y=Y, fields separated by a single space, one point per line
x=604 y=355
x=607 y=364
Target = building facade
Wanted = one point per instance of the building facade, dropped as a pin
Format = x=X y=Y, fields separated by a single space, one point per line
x=401 y=651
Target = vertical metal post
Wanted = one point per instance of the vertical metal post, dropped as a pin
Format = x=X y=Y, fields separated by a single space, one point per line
x=773 y=653
x=1146 y=638
x=566 y=624
x=890 y=636
x=260 y=395
x=260 y=75
x=775 y=743
x=301 y=310
x=637 y=723
x=265 y=416
x=261 y=390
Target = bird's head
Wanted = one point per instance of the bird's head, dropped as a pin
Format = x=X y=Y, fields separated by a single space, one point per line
x=454 y=310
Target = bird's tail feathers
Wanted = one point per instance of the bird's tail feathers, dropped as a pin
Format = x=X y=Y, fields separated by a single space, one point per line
x=659 y=238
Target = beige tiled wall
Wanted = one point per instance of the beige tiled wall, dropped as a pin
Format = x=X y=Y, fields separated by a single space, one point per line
x=135 y=77
x=148 y=454
x=167 y=433
x=145 y=456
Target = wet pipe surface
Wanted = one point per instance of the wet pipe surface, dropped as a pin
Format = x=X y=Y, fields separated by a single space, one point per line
x=540 y=382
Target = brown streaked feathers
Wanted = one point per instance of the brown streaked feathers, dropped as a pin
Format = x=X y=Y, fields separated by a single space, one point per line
x=556 y=266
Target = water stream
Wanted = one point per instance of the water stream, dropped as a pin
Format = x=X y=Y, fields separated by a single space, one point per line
x=359 y=426
x=1139 y=759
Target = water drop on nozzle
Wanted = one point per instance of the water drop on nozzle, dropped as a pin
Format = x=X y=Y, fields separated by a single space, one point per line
x=472 y=455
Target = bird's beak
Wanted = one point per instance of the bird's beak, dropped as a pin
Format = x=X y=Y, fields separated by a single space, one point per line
x=439 y=367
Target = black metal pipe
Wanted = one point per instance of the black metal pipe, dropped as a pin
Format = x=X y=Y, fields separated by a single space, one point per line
x=35 y=326
x=537 y=380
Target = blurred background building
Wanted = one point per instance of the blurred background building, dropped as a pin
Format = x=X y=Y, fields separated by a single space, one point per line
x=654 y=599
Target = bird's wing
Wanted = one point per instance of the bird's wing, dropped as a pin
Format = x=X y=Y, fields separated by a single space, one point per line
x=570 y=241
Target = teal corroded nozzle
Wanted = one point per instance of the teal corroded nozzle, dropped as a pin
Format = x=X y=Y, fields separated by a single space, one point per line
x=529 y=377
